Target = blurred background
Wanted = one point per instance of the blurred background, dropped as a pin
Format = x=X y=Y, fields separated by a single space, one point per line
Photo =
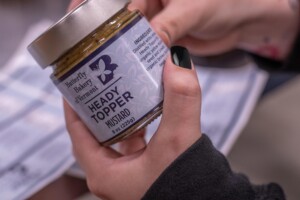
x=268 y=150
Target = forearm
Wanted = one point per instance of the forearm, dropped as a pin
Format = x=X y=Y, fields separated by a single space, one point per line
x=275 y=39
x=203 y=173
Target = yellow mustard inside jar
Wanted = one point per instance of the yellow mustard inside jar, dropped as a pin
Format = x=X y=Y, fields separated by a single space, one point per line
x=107 y=62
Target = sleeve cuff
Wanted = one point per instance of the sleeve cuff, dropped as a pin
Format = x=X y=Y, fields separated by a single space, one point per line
x=203 y=172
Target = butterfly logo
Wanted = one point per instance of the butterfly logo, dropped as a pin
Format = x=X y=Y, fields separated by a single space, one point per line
x=105 y=68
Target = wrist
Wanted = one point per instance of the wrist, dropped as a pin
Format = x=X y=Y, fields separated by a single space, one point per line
x=272 y=30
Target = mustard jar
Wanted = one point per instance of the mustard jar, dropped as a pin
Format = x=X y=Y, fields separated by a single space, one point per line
x=107 y=62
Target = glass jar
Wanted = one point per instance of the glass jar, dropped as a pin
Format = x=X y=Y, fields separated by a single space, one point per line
x=107 y=62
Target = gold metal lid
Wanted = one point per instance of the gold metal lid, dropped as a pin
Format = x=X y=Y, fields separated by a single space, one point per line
x=72 y=28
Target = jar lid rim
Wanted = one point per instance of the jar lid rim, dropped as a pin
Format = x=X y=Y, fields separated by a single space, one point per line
x=71 y=29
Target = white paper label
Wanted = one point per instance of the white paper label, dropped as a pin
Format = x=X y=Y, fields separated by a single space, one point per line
x=119 y=83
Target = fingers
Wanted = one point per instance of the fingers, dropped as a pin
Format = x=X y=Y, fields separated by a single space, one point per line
x=180 y=124
x=148 y=8
x=182 y=98
x=170 y=19
x=78 y=131
x=86 y=148
x=133 y=143
x=175 y=20
x=74 y=3
x=211 y=47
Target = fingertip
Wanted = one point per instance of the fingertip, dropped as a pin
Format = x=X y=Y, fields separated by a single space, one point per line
x=162 y=32
x=74 y=4
x=137 y=5
x=181 y=57
x=174 y=21
x=179 y=67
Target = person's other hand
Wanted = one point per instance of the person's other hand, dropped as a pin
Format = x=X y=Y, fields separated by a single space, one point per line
x=129 y=174
x=208 y=27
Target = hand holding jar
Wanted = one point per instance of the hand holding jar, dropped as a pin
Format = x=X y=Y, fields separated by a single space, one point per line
x=206 y=28
x=129 y=174
x=265 y=27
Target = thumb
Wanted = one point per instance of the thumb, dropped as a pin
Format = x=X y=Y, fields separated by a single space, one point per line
x=180 y=122
x=174 y=21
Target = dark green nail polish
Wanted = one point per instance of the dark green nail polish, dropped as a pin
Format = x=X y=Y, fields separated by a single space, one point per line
x=181 y=57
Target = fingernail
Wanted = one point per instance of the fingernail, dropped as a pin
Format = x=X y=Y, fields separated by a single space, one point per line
x=181 y=57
